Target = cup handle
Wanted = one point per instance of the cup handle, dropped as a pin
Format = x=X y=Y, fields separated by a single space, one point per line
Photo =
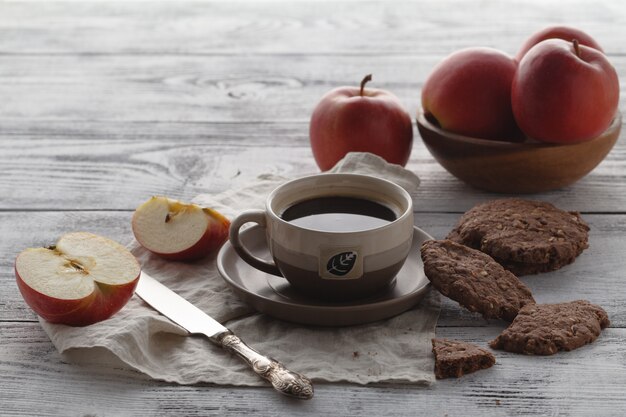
x=250 y=216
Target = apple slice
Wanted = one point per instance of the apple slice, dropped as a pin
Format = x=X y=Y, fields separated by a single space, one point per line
x=83 y=279
x=179 y=231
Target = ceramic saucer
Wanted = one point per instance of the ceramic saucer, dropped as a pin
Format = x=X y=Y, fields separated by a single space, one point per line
x=274 y=296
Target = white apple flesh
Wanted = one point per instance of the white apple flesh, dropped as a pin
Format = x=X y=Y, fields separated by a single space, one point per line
x=179 y=231
x=83 y=279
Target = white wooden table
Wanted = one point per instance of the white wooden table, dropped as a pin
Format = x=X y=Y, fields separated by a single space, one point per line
x=105 y=104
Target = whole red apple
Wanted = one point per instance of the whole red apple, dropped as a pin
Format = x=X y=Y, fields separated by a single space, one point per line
x=564 y=92
x=469 y=92
x=352 y=119
x=83 y=279
x=566 y=33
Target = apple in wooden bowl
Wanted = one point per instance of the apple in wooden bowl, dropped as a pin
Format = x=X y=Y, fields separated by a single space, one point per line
x=516 y=167
x=548 y=121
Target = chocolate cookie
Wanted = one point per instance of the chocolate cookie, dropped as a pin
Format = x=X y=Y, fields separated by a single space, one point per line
x=526 y=237
x=474 y=279
x=544 y=329
x=454 y=359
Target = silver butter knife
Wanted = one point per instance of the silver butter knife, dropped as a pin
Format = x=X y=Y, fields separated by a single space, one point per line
x=195 y=321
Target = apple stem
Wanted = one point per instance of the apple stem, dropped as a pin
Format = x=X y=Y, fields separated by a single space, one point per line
x=576 y=47
x=367 y=79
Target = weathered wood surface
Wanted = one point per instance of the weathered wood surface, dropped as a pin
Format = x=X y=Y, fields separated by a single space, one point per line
x=204 y=89
x=103 y=104
x=89 y=165
x=303 y=27
x=586 y=382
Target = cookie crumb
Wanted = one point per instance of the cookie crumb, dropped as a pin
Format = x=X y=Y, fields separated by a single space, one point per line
x=454 y=358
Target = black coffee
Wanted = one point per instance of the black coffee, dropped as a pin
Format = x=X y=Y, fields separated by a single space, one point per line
x=339 y=214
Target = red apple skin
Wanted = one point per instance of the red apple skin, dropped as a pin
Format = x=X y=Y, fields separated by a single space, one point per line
x=566 y=33
x=212 y=239
x=469 y=93
x=561 y=97
x=344 y=121
x=101 y=304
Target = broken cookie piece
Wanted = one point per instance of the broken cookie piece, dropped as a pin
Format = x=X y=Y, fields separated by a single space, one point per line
x=544 y=329
x=474 y=280
x=454 y=358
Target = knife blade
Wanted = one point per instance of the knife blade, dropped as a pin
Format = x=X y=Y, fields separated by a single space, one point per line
x=197 y=322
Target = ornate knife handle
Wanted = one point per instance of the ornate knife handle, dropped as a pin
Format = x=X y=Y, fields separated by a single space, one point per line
x=282 y=379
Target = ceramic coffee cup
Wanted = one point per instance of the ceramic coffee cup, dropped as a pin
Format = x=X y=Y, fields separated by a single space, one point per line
x=330 y=264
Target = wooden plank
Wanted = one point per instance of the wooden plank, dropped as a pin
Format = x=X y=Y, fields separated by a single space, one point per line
x=109 y=168
x=194 y=88
x=597 y=275
x=584 y=382
x=246 y=88
x=102 y=165
x=375 y=28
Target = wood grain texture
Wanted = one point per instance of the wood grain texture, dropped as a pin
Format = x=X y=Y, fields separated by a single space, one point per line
x=596 y=275
x=303 y=27
x=584 y=382
x=104 y=165
x=166 y=88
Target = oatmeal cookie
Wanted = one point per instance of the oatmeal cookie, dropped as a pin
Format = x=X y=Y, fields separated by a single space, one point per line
x=544 y=329
x=524 y=236
x=474 y=280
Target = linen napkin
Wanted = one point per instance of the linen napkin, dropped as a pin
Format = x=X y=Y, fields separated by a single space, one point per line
x=393 y=350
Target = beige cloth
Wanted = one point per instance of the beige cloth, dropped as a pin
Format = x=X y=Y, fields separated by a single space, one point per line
x=393 y=350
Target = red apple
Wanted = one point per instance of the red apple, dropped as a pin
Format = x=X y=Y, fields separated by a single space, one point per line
x=557 y=32
x=179 y=231
x=564 y=92
x=352 y=119
x=469 y=92
x=83 y=279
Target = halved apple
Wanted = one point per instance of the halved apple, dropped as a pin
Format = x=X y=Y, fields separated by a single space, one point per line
x=83 y=279
x=179 y=231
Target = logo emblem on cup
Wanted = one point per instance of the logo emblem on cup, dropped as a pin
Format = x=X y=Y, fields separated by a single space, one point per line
x=341 y=264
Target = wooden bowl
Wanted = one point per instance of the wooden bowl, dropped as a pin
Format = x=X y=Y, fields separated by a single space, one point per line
x=509 y=167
